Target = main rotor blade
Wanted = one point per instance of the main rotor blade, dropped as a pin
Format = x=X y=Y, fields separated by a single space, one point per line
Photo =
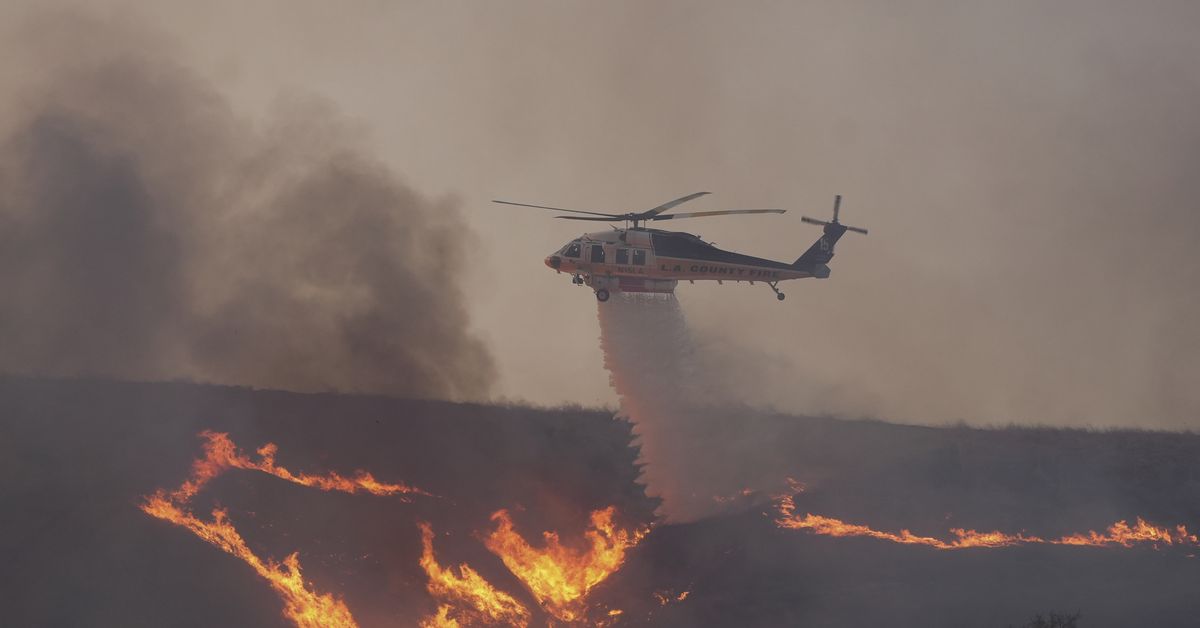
x=668 y=205
x=589 y=218
x=720 y=212
x=559 y=209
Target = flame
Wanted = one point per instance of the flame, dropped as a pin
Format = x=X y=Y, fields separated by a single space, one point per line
x=560 y=577
x=305 y=607
x=665 y=597
x=221 y=454
x=466 y=593
x=441 y=620
x=609 y=618
x=1119 y=533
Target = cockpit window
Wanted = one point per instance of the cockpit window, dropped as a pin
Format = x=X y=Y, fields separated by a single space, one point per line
x=572 y=250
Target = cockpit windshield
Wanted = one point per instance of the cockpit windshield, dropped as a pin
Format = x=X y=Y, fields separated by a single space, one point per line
x=572 y=250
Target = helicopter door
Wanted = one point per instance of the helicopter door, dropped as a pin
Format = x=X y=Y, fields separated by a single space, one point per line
x=597 y=254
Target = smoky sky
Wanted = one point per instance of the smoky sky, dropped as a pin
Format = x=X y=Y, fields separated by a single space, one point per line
x=1026 y=170
x=150 y=231
x=1027 y=173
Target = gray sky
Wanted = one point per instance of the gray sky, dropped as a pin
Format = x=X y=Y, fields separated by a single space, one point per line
x=1027 y=171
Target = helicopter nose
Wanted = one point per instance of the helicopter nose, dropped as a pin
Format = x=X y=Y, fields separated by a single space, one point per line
x=554 y=262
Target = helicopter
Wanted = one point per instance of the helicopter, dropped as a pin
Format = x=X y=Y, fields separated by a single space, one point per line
x=638 y=259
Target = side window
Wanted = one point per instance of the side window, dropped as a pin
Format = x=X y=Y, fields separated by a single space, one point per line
x=572 y=250
x=639 y=257
x=622 y=256
x=597 y=254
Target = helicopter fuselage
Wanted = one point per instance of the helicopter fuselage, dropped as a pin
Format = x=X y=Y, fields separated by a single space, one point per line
x=654 y=260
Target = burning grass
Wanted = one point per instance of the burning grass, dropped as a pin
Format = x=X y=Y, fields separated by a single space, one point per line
x=465 y=597
x=1119 y=534
x=302 y=605
x=558 y=576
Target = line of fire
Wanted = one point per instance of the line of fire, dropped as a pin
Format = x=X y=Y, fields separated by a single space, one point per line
x=557 y=576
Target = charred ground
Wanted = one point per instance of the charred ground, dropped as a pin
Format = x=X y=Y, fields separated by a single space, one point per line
x=78 y=455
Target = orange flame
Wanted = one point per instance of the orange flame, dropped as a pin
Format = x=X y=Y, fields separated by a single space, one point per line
x=221 y=454
x=441 y=620
x=560 y=577
x=466 y=594
x=1119 y=533
x=305 y=607
x=665 y=597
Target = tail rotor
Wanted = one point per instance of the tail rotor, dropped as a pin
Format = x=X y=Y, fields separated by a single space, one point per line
x=837 y=206
x=819 y=254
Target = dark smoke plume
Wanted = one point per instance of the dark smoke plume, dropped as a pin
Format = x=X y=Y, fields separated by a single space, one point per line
x=147 y=230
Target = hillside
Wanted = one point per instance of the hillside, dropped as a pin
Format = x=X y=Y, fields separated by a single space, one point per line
x=78 y=457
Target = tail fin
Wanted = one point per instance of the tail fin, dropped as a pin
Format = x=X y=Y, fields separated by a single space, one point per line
x=822 y=250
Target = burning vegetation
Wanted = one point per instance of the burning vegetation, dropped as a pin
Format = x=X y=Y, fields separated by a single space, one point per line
x=464 y=597
x=304 y=606
x=558 y=576
x=221 y=454
x=1118 y=534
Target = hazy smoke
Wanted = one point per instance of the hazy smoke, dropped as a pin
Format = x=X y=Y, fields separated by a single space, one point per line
x=148 y=231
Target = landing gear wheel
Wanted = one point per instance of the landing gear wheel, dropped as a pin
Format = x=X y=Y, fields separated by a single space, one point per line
x=602 y=295
x=773 y=285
